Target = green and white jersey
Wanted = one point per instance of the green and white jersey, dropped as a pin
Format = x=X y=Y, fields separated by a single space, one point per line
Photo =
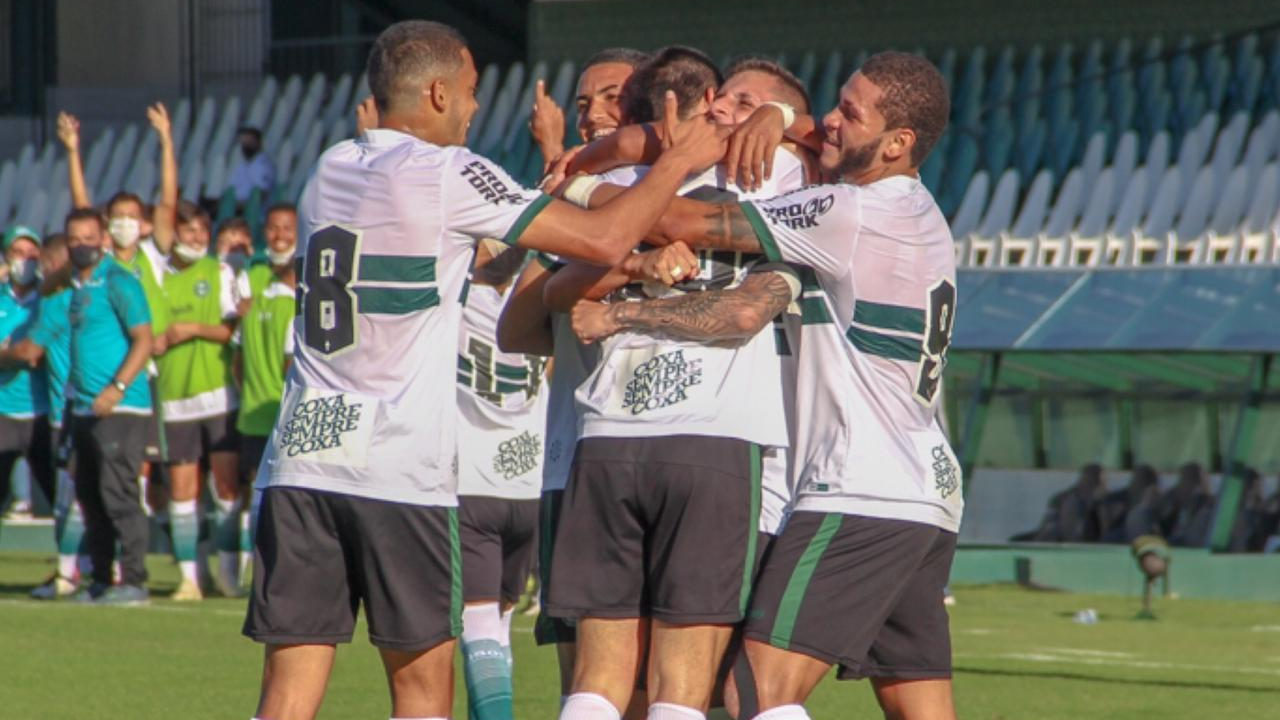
x=387 y=228
x=648 y=384
x=148 y=265
x=195 y=380
x=876 y=327
x=265 y=338
x=573 y=362
x=502 y=406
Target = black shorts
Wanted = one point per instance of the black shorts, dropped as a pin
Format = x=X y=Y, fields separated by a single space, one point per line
x=189 y=441
x=499 y=537
x=549 y=630
x=862 y=593
x=252 y=448
x=659 y=527
x=319 y=555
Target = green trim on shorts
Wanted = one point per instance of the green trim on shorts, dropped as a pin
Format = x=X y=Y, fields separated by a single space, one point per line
x=455 y=574
x=522 y=223
x=784 y=623
x=768 y=245
x=753 y=534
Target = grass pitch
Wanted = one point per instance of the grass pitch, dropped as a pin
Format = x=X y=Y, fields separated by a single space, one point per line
x=1018 y=654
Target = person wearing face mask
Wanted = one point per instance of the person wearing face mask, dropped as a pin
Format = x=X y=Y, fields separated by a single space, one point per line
x=198 y=397
x=264 y=351
x=50 y=343
x=110 y=341
x=254 y=170
x=24 y=399
x=137 y=242
x=235 y=243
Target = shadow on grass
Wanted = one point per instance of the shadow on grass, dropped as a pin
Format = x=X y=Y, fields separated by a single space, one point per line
x=1059 y=675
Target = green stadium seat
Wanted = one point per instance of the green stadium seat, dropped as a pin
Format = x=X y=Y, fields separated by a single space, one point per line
x=485 y=91
x=226 y=206
x=825 y=89
x=1029 y=151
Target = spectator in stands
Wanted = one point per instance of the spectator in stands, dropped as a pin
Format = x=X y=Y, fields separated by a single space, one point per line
x=1249 y=532
x=1271 y=523
x=1184 y=514
x=24 y=396
x=254 y=170
x=1124 y=514
x=1066 y=519
x=110 y=347
x=235 y=243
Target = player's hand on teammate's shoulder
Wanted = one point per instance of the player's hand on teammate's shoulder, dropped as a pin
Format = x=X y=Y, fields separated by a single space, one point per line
x=698 y=139
x=366 y=116
x=559 y=169
x=667 y=265
x=749 y=161
x=592 y=321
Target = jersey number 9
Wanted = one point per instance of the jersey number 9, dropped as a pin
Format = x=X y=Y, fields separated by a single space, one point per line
x=940 y=319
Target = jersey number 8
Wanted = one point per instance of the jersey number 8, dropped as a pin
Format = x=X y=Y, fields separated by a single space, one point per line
x=326 y=302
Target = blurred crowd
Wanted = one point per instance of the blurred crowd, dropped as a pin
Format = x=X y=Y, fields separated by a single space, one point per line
x=1183 y=514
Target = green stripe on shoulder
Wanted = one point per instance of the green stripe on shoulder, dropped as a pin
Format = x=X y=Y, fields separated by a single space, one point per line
x=526 y=217
x=395 y=301
x=885 y=346
x=889 y=317
x=767 y=244
x=397 y=268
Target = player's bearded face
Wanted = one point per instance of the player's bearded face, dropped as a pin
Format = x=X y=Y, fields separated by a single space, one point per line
x=854 y=130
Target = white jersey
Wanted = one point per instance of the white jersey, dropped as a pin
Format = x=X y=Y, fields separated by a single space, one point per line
x=502 y=406
x=878 y=311
x=572 y=363
x=651 y=385
x=386 y=232
x=777 y=476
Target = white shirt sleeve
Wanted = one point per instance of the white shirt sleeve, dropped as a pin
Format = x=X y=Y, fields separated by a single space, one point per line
x=229 y=297
x=817 y=226
x=244 y=290
x=288 y=343
x=482 y=201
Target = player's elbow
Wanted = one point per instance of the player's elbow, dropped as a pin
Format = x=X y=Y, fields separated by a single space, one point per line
x=747 y=322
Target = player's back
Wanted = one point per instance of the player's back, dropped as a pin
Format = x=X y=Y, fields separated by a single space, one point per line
x=386 y=228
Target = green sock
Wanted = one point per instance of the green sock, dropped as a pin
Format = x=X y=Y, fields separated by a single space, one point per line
x=185 y=531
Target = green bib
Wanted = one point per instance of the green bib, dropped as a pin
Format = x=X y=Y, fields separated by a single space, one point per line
x=263 y=331
x=196 y=366
x=142 y=269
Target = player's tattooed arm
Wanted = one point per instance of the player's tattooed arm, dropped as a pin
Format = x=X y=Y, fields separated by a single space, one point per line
x=706 y=226
x=732 y=314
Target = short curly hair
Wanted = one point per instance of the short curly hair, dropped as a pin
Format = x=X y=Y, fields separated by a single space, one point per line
x=915 y=97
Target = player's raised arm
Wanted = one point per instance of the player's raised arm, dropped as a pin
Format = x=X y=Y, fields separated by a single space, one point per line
x=69 y=134
x=164 y=220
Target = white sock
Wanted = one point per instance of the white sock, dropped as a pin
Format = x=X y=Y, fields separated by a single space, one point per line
x=784 y=712
x=68 y=565
x=185 y=533
x=505 y=638
x=671 y=711
x=589 y=706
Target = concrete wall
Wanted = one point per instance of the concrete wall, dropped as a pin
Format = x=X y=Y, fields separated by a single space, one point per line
x=576 y=29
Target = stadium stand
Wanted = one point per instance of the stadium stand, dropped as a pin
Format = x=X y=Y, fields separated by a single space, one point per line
x=1124 y=153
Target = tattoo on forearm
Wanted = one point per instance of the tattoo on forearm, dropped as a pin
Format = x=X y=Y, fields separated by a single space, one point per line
x=725 y=227
x=738 y=312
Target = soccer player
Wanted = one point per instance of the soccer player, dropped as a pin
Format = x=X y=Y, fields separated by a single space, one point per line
x=666 y=406
x=874 y=529
x=527 y=326
x=50 y=341
x=264 y=353
x=503 y=414
x=110 y=347
x=359 y=481
x=199 y=399
x=24 y=398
